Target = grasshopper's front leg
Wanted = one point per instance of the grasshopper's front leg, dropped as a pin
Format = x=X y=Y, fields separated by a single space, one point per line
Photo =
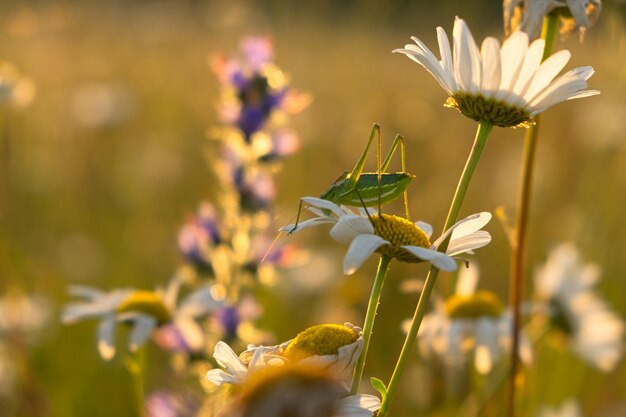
x=295 y=226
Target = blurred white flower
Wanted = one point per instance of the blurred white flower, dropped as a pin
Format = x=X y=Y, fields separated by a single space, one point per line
x=394 y=236
x=16 y=90
x=565 y=290
x=470 y=324
x=527 y=15
x=22 y=314
x=505 y=86
x=570 y=408
x=144 y=310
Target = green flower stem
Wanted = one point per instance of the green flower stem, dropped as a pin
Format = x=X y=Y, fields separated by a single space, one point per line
x=519 y=241
x=372 y=306
x=484 y=128
x=135 y=364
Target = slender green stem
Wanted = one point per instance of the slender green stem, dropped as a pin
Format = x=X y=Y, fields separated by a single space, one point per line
x=484 y=128
x=519 y=241
x=370 y=316
x=135 y=364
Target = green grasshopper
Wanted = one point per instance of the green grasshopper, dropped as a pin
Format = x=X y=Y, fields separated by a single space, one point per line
x=368 y=189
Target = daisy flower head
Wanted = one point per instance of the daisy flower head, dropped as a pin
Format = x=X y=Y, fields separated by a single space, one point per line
x=503 y=85
x=564 y=288
x=143 y=310
x=368 y=232
x=527 y=15
x=332 y=347
x=471 y=324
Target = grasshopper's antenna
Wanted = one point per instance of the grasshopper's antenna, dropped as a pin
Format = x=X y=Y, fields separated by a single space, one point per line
x=271 y=247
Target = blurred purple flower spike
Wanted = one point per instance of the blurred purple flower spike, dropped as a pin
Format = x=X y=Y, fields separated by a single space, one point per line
x=201 y=232
x=169 y=404
x=258 y=50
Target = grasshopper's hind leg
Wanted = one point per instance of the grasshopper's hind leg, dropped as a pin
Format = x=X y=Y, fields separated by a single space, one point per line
x=398 y=140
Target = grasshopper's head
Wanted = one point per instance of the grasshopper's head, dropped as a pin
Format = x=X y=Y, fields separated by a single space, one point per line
x=337 y=188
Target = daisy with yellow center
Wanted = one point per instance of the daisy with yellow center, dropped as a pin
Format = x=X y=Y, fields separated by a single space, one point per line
x=469 y=324
x=504 y=86
x=333 y=347
x=395 y=237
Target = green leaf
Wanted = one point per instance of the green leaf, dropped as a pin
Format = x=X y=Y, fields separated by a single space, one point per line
x=380 y=387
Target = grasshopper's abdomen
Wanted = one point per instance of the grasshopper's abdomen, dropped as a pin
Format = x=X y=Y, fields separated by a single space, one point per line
x=392 y=185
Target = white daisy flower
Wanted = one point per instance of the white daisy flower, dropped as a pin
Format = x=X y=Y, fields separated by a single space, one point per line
x=144 y=310
x=331 y=347
x=395 y=236
x=569 y=408
x=358 y=406
x=565 y=289
x=471 y=323
x=505 y=86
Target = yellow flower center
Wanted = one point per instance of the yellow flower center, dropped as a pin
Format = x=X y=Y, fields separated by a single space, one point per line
x=324 y=339
x=479 y=304
x=399 y=232
x=497 y=112
x=147 y=302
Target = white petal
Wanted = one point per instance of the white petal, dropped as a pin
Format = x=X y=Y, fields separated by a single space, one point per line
x=219 y=377
x=227 y=359
x=464 y=227
x=359 y=406
x=440 y=260
x=198 y=303
x=466 y=58
x=511 y=56
x=106 y=337
x=85 y=292
x=429 y=62
x=468 y=280
x=360 y=249
x=308 y=223
x=468 y=243
x=546 y=73
x=490 y=52
x=324 y=204
x=530 y=66
x=349 y=227
x=143 y=327
x=446 y=59
x=426 y=228
x=563 y=88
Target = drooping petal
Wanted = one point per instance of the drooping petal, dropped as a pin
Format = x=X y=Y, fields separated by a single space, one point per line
x=428 y=61
x=106 y=337
x=469 y=242
x=349 y=227
x=440 y=260
x=468 y=280
x=360 y=249
x=143 y=327
x=465 y=227
x=219 y=377
x=308 y=223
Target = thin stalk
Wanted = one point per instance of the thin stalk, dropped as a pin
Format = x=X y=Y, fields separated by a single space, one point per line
x=482 y=133
x=135 y=364
x=370 y=316
x=519 y=241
